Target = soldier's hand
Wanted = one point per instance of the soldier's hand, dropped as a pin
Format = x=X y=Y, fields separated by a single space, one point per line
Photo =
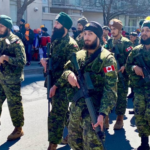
x=3 y=58
x=122 y=69
x=100 y=121
x=138 y=71
x=44 y=63
x=72 y=79
x=52 y=91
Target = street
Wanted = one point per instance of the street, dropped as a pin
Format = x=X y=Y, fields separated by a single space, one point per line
x=35 y=128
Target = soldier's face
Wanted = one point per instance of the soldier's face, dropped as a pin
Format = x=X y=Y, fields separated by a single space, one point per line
x=105 y=32
x=80 y=27
x=145 y=33
x=145 y=36
x=57 y=25
x=3 y=31
x=90 y=40
x=114 y=31
x=132 y=38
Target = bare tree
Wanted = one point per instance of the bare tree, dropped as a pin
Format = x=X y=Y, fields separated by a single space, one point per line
x=114 y=8
x=21 y=8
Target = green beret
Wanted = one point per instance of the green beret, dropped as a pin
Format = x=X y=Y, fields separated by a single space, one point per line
x=82 y=21
x=133 y=33
x=64 y=19
x=94 y=27
x=146 y=24
x=6 y=21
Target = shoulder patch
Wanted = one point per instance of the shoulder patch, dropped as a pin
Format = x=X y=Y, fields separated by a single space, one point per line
x=17 y=42
x=109 y=69
x=75 y=46
x=129 y=49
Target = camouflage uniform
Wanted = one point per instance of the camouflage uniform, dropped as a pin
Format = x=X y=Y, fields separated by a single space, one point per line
x=136 y=43
x=141 y=93
x=81 y=134
x=11 y=75
x=124 y=48
x=80 y=40
x=61 y=50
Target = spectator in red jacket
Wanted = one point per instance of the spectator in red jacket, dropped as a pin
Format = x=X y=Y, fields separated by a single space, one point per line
x=45 y=39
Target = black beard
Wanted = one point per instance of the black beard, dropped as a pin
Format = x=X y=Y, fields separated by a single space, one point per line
x=92 y=46
x=57 y=33
x=145 y=42
x=5 y=34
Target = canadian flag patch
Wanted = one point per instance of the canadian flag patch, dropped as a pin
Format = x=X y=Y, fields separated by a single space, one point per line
x=129 y=49
x=109 y=69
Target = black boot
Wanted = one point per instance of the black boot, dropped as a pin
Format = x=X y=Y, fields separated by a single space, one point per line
x=144 y=144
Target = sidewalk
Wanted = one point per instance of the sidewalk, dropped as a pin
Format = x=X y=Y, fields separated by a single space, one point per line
x=33 y=69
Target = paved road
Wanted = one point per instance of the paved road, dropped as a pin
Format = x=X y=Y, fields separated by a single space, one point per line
x=35 y=110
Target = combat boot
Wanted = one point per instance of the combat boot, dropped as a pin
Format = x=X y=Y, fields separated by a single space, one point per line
x=17 y=133
x=119 y=122
x=52 y=146
x=106 y=122
x=144 y=144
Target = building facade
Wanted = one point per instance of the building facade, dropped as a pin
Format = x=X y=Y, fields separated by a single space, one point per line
x=45 y=11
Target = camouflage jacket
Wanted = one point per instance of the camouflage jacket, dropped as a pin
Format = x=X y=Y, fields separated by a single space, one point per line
x=80 y=40
x=124 y=47
x=104 y=78
x=136 y=43
x=131 y=61
x=61 y=51
x=12 y=71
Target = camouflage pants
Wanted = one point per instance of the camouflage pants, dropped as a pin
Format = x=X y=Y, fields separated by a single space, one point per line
x=142 y=111
x=57 y=117
x=122 y=98
x=81 y=134
x=12 y=93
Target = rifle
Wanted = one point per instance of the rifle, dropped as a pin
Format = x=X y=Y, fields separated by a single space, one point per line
x=145 y=69
x=88 y=100
x=116 y=51
x=49 y=75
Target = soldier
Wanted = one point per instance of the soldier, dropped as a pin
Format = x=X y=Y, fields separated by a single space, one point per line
x=106 y=30
x=141 y=89
x=135 y=42
x=134 y=39
x=62 y=45
x=81 y=23
x=124 y=48
x=12 y=61
x=103 y=74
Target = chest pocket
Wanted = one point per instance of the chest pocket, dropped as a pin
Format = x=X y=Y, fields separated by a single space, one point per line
x=96 y=73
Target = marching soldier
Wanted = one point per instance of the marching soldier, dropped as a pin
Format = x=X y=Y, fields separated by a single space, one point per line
x=62 y=45
x=124 y=47
x=135 y=42
x=81 y=23
x=106 y=30
x=12 y=61
x=139 y=59
x=101 y=66
x=134 y=39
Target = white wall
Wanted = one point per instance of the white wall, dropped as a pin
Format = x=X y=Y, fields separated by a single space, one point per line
x=5 y=7
x=34 y=18
x=94 y=16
